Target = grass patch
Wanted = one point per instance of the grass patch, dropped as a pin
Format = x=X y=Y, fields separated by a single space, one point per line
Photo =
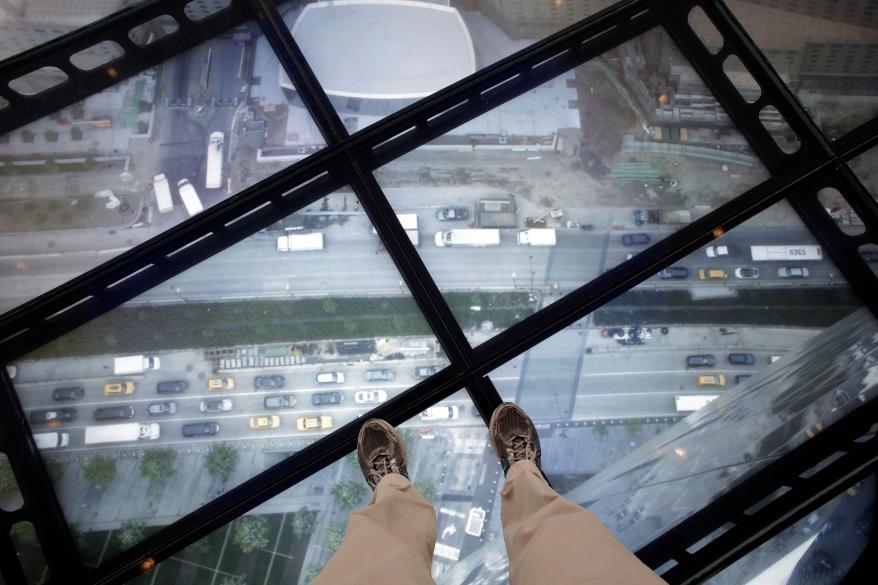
x=210 y=325
x=811 y=307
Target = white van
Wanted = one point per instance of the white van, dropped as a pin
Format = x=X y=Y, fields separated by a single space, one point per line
x=330 y=378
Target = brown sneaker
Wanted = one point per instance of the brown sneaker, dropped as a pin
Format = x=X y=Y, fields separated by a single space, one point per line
x=513 y=436
x=380 y=451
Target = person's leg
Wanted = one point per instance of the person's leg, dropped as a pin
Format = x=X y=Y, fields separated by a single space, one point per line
x=549 y=539
x=391 y=540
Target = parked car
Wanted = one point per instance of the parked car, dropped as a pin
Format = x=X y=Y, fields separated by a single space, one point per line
x=172 y=387
x=712 y=274
x=52 y=416
x=746 y=272
x=162 y=408
x=119 y=388
x=742 y=359
x=215 y=405
x=321 y=398
x=201 y=429
x=270 y=382
x=382 y=375
x=674 y=272
x=265 y=421
x=741 y=377
x=712 y=380
x=280 y=401
x=720 y=251
x=440 y=413
x=704 y=360
x=217 y=384
x=635 y=239
x=793 y=272
x=370 y=396
x=314 y=423
x=330 y=378
x=452 y=214
x=68 y=393
x=114 y=412
x=422 y=372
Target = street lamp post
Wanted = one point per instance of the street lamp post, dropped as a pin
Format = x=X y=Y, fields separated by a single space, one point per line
x=513 y=281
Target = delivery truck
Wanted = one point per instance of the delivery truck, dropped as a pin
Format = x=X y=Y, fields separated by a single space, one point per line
x=214 y=172
x=300 y=242
x=162 y=191
x=537 y=237
x=785 y=253
x=122 y=433
x=135 y=364
x=468 y=237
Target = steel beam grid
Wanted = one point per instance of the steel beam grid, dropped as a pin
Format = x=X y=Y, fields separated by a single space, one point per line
x=351 y=161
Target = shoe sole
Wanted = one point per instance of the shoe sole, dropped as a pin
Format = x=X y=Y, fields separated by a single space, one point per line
x=397 y=439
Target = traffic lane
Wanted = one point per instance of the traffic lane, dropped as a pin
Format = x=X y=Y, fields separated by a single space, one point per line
x=609 y=406
x=645 y=358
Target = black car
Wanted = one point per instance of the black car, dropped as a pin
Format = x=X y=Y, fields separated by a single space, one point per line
x=279 y=401
x=422 y=372
x=452 y=214
x=321 y=398
x=49 y=416
x=201 y=429
x=69 y=393
x=635 y=239
x=700 y=361
x=172 y=387
x=270 y=382
x=742 y=359
x=674 y=272
x=162 y=408
x=114 y=412
x=741 y=377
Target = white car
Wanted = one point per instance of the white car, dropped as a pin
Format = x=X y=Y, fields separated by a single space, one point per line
x=746 y=272
x=370 y=396
x=719 y=251
x=440 y=413
x=793 y=272
x=330 y=378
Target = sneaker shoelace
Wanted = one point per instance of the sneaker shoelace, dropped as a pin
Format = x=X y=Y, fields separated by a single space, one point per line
x=518 y=448
x=382 y=463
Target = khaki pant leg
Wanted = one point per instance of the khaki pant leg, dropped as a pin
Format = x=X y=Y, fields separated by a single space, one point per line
x=552 y=541
x=389 y=542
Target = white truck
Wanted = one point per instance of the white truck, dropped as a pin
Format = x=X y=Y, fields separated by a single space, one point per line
x=693 y=402
x=537 y=237
x=468 y=237
x=409 y=222
x=214 y=174
x=51 y=440
x=162 y=193
x=785 y=253
x=189 y=196
x=300 y=242
x=135 y=364
x=122 y=432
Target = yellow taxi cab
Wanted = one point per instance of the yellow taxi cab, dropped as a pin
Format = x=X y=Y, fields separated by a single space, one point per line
x=122 y=387
x=221 y=384
x=314 y=423
x=712 y=274
x=265 y=422
x=712 y=380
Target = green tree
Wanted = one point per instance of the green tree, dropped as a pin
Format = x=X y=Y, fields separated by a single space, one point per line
x=330 y=306
x=251 y=532
x=303 y=522
x=221 y=460
x=158 y=464
x=351 y=459
x=23 y=533
x=8 y=485
x=312 y=574
x=199 y=547
x=56 y=470
x=130 y=533
x=99 y=471
x=334 y=536
x=349 y=494
x=427 y=489
x=232 y=580
x=600 y=430
x=633 y=428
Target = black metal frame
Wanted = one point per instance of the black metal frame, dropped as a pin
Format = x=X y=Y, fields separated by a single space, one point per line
x=350 y=160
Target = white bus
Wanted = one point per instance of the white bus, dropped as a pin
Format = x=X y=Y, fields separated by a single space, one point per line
x=214 y=174
x=692 y=403
x=785 y=253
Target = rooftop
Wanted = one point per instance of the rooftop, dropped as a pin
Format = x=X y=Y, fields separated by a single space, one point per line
x=395 y=49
